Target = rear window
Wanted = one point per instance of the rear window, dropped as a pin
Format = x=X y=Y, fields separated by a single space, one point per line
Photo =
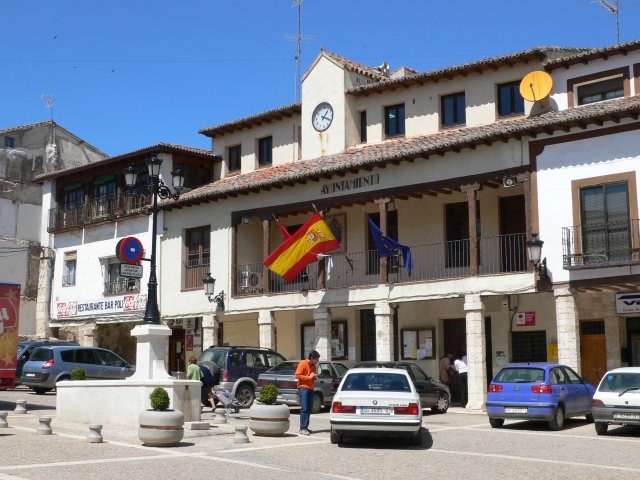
x=619 y=382
x=377 y=382
x=520 y=375
x=215 y=356
x=41 y=355
x=285 y=368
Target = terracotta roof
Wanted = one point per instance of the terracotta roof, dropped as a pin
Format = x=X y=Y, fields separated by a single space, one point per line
x=592 y=54
x=400 y=149
x=49 y=123
x=253 y=120
x=356 y=67
x=150 y=150
x=540 y=54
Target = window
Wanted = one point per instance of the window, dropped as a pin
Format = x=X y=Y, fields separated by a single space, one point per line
x=9 y=142
x=104 y=193
x=598 y=91
x=393 y=120
x=363 y=127
x=69 y=269
x=457 y=233
x=529 y=346
x=235 y=158
x=510 y=102
x=115 y=284
x=606 y=234
x=265 y=151
x=197 y=256
x=598 y=86
x=453 y=110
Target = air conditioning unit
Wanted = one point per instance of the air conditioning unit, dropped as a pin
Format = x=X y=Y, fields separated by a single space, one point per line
x=510 y=181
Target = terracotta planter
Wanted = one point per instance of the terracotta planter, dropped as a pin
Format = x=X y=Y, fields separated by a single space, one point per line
x=268 y=420
x=161 y=428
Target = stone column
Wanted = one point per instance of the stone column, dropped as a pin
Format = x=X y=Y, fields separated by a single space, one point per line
x=44 y=296
x=210 y=325
x=87 y=334
x=384 y=331
x=267 y=329
x=567 y=323
x=612 y=338
x=322 y=343
x=476 y=353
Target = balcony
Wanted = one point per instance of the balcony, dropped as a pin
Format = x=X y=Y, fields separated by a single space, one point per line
x=601 y=245
x=122 y=285
x=195 y=271
x=438 y=261
x=96 y=210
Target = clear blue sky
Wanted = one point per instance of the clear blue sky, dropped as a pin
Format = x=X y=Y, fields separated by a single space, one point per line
x=126 y=74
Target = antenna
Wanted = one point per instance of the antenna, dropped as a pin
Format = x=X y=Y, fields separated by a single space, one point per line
x=49 y=102
x=615 y=10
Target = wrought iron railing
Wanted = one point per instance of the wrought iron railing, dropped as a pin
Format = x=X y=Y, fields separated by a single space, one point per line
x=437 y=261
x=69 y=280
x=601 y=244
x=122 y=285
x=96 y=210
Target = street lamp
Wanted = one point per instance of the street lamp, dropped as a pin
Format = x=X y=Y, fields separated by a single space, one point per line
x=209 y=288
x=534 y=249
x=157 y=188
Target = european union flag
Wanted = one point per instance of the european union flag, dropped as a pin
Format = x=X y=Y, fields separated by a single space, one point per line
x=388 y=246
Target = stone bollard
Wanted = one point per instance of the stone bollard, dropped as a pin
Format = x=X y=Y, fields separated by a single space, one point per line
x=221 y=416
x=95 y=434
x=3 y=419
x=21 y=406
x=44 y=426
x=241 y=434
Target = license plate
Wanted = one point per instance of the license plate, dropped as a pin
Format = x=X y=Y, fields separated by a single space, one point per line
x=515 y=410
x=626 y=416
x=374 y=410
x=29 y=374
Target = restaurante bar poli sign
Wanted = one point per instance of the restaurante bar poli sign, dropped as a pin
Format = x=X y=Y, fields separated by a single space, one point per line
x=122 y=304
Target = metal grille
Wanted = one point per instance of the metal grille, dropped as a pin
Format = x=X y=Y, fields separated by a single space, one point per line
x=529 y=346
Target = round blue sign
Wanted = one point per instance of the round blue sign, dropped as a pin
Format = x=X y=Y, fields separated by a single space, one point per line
x=129 y=250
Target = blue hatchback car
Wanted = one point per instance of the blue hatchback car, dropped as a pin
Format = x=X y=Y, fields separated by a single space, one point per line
x=538 y=391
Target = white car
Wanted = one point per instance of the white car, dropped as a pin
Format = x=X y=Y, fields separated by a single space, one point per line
x=617 y=399
x=376 y=401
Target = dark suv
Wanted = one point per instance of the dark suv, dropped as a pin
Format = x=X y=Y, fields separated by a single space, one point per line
x=236 y=368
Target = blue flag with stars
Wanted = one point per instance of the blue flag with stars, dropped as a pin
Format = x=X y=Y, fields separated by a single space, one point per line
x=388 y=246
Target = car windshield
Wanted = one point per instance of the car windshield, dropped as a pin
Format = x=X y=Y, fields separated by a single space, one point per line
x=619 y=382
x=284 y=368
x=386 y=382
x=520 y=375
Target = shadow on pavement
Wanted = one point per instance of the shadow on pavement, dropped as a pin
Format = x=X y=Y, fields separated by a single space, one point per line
x=386 y=442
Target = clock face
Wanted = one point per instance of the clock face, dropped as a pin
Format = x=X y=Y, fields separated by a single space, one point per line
x=322 y=116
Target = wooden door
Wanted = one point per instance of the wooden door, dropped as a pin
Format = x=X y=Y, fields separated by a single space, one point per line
x=513 y=229
x=593 y=351
x=177 y=346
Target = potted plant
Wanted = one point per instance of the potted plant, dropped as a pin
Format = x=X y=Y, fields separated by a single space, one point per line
x=160 y=426
x=267 y=417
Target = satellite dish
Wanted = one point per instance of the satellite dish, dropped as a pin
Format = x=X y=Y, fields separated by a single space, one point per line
x=536 y=86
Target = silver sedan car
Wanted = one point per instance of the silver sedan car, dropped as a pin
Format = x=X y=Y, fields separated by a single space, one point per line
x=283 y=377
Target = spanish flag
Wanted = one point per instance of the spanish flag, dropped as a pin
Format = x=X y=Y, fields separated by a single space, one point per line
x=302 y=248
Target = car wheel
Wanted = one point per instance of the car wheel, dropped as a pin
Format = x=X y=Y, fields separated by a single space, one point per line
x=496 y=422
x=336 y=438
x=415 y=438
x=245 y=395
x=40 y=390
x=589 y=418
x=442 y=404
x=317 y=403
x=601 y=428
x=557 y=422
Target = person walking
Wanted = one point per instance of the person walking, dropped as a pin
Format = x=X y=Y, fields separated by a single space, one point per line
x=306 y=374
x=461 y=367
x=193 y=370
x=446 y=368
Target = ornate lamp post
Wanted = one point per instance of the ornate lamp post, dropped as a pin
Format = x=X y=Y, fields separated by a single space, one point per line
x=534 y=248
x=157 y=188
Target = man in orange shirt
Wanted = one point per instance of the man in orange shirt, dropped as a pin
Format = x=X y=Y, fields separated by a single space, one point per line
x=306 y=373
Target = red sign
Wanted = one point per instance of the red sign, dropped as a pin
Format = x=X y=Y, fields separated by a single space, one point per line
x=526 y=319
x=9 y=307
x=130 y=250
